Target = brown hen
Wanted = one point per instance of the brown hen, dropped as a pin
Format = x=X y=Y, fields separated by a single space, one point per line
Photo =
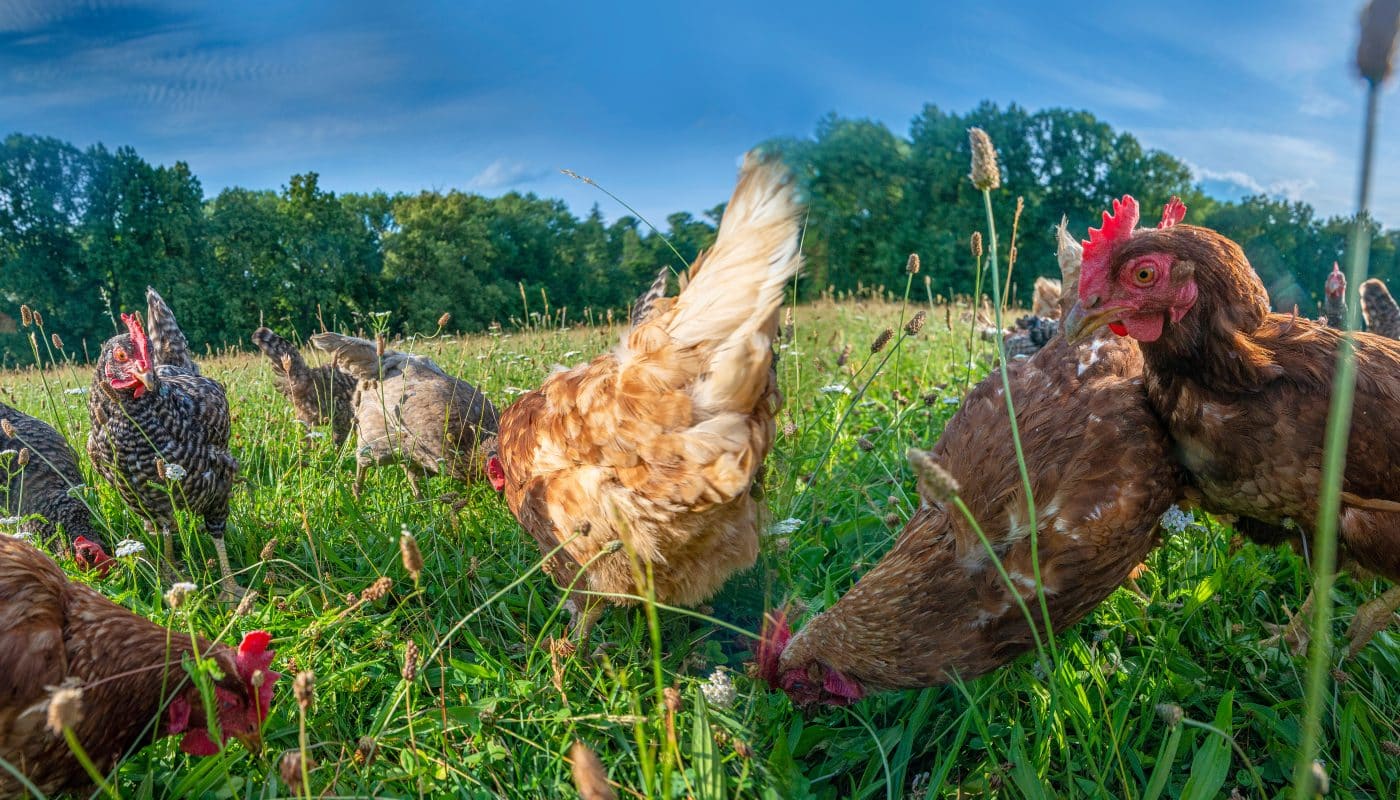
x=54 y=633
x=1244 y=392
x=935 y=608
x=649 y=452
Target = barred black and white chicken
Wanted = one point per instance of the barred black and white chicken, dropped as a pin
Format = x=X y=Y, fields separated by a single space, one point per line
x=160 y=430
x=409 y=410
x=319 y=395
x=39 y=469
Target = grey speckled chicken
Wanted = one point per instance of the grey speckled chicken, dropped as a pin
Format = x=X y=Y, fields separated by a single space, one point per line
x=1381 y=312
x=160 y=430
x=37 y=474
x=408 y=410
x=319 y=395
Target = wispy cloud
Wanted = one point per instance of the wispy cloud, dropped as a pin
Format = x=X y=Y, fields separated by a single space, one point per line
x=505 y=173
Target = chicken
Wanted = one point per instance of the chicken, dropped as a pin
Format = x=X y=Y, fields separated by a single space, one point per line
x=1379 y=308
x=1045 y=302
x=319 y=395
x=39 y=474
x=160 y=431
x=651 y=451
x=408 y=410
x=1244 y=392
x=54 y=633
x=935 y=608
x=1032 y=331
x=1334 y=298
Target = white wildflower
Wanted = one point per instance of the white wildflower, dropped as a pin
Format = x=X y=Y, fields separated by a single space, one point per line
x=1174 y=520
x=9 y=451
x=11 y=520
x=570 y=354
x=179 y=593
x=76 y=390
x=950 y=401
x=25 y=536
x=719 y=689
x=315 y=434
x=174 y=472
x=514 y=390
x=129 y=547
x=785 y=527
x=836 y=388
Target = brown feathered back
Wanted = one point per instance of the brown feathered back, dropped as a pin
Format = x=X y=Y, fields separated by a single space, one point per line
x=935 y=607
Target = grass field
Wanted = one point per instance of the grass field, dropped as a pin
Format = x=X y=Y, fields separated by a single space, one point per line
x=493 y=709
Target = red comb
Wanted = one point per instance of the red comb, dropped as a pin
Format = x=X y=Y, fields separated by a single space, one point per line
x=1117 y=227
x=1173 y=212
x=1336 y=268
x=138 y=338
x=771 y=644
x=253 y=657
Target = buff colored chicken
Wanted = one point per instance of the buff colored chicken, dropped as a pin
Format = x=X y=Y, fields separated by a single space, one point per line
x=642 y=462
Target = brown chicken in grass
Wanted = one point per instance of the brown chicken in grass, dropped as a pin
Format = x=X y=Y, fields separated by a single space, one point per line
x=1244 y=392
x=655 y=446
x=319 y=395
x=54 y=633
x=409 y=410
x=935 y=607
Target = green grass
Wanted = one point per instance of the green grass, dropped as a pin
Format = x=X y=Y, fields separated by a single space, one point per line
x=493 y=710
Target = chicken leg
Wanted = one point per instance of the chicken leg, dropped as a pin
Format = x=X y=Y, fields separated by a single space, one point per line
x=1371 y=618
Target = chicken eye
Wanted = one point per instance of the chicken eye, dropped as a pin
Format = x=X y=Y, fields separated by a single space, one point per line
x=1144 y=276
x=120 y=355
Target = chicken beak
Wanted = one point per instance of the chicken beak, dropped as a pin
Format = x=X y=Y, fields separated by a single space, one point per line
x=147 y=378
x=1080 y=324
x=252 y=741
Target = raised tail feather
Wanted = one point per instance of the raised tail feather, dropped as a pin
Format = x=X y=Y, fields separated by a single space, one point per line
x=168 y=343
x=359 y=357
x=286 y=359
x=642 y=308
x=1380 y=309
x=730 y=305
x=1070 y=253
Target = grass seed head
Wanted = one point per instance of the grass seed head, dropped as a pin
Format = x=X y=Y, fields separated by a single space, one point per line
x=65 y=709
x=976 y=244
x=179 y=594
x=590 y=778
x=915 y=324
x=290 y=768
x=1170 y=713
x=1375 y=53
x=936 y=484
x=845 y=355
x=26 y=316
x=911 y=267
x=881 y=340
x=410 y=661
x=365 y=750
x=789 y=429
x=986 y=174
x=57 y=342
x=245 y=605
x=38 y=319
x=8 y=427
x=23 y=456
x=268 y=549
x=412 y=556
x=444 y=319
x=304 y=688
x=378 y=590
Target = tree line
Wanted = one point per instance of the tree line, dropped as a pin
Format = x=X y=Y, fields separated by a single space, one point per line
x=84 y=231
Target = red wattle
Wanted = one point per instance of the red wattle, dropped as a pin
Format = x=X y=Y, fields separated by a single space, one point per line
x=1118 y=328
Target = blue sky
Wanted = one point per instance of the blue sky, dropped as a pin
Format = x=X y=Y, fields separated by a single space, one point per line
x=657 y=101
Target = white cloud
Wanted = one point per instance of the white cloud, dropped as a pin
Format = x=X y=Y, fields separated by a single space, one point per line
x=504 y=173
